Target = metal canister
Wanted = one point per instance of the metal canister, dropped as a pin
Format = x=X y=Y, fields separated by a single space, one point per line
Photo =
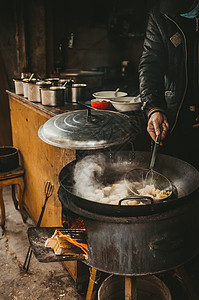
x=18 y=84
x=34 y=90
x=65 y=83
x=75 y=92
x=25 y=89
x=53 y=96
x=26 y=83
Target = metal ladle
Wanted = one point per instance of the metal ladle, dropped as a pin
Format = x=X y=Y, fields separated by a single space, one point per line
x=147 y=176
x=154 y=153
x=115 y=93
x=134 y=99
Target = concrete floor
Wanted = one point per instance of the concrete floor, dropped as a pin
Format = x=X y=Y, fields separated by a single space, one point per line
x=50 y=281
x=44 y=281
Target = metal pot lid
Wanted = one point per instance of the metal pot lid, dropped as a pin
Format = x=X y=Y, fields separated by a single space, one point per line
x=86 y=129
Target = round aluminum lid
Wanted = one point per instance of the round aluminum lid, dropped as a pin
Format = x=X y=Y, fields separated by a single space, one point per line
x=86 y=129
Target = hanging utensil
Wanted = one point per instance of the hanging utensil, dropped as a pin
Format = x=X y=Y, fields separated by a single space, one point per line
x=48 y=192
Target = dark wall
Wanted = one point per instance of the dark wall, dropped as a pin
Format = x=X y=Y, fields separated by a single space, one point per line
x=8 y=45
x=101 y=32
x=35 y=36
x=35 y=30
x=22 y=37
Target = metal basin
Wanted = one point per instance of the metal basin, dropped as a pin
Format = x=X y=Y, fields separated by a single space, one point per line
x=148 y=287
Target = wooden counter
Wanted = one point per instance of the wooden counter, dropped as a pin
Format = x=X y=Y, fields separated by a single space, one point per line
x=42 y=162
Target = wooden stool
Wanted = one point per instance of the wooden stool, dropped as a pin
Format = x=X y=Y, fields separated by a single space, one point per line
x=14 y=177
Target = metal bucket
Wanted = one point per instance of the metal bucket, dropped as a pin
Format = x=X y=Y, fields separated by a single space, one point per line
x=148 y=288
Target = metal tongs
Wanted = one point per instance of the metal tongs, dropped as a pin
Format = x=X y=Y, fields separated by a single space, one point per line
x=48 y=192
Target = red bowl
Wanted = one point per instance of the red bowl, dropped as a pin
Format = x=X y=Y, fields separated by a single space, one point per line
x=100 y=103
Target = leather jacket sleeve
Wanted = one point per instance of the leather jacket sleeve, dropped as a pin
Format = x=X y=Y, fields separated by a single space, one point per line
x=152 y=68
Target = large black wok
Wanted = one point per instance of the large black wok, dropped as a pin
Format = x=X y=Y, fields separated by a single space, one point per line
x=183 y=176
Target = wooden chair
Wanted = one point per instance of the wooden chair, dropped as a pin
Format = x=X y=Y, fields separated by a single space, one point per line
x=14 y=177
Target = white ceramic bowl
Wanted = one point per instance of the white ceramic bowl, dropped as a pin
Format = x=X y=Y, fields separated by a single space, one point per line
x=124 y=104
x=109 y=94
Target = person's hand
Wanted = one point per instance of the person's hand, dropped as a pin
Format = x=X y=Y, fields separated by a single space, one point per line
x=197 y=124
x=157 y=124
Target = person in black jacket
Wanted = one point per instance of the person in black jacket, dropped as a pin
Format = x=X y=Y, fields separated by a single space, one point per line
x=169 y=77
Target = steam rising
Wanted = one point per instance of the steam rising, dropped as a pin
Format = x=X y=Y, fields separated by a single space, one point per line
x=90 y=181
x=98 y=181
x=88 y=175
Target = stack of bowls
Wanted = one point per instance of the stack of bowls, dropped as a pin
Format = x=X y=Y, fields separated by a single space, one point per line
x=102 y=99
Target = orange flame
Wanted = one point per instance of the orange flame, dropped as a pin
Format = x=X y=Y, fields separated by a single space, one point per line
x=82 y=246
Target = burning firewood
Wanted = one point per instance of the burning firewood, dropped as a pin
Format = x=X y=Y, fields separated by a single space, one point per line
x=63 y=244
